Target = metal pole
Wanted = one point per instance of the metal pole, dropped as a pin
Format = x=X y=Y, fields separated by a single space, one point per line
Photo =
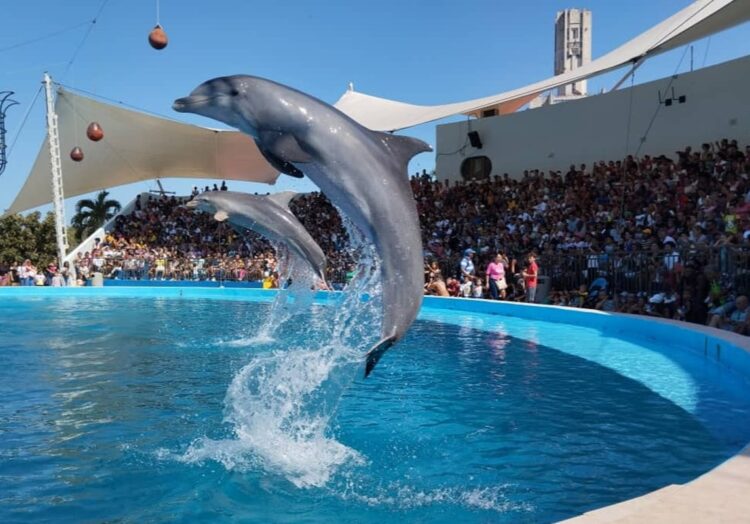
x=58 y=198
x=636 y=64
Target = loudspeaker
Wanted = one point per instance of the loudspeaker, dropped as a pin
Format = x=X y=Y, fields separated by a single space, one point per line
x=474 y=140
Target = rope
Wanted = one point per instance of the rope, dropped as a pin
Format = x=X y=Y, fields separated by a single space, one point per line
x=630 y=112
x=44 y=37
x=705 y=55
x=23 y=122
x=85 y=37
x=658 y=107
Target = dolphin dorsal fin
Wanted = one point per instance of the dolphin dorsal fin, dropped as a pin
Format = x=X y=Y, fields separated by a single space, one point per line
x=283 y=198
x=403 y=147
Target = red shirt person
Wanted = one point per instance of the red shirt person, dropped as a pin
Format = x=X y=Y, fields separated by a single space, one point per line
x=530 y=275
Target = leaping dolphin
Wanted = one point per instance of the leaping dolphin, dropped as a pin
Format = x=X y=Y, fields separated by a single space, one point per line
x=363 y=172
x=267 y=215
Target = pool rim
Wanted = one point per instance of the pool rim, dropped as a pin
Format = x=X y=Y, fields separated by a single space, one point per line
x=714 y=495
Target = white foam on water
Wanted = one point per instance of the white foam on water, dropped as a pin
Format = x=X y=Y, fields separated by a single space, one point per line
x=290 y=301
x=259 y=339
x=280 y=404
x=397 y=496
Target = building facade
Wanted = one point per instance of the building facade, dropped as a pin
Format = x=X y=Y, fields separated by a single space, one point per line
x=654 y=118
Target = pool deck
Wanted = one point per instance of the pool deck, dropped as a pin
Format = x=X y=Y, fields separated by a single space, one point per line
x=720 y=495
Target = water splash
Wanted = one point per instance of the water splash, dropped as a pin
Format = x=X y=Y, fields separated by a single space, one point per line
x=403 y=497
x=295 y=297
x=280 y=404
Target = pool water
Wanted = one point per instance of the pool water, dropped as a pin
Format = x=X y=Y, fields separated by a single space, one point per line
x=134 y=410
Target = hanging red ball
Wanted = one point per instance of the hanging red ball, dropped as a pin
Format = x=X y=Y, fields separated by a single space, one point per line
x=158 y=38
x=94 y=132
x=76 y=154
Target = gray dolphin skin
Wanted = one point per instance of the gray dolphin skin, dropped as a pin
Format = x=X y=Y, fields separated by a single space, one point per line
x=267 y=215
x=363 y=172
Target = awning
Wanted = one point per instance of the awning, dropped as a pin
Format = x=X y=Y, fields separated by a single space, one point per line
x=136 y=147
x=696 y=21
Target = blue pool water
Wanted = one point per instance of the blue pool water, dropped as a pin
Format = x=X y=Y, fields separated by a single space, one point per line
x=135 y=410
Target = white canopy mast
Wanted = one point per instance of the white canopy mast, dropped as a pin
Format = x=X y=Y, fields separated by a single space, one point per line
x=58 y=198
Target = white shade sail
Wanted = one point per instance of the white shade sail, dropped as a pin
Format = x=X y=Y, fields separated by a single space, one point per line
x=698 y=20
x=136 y=147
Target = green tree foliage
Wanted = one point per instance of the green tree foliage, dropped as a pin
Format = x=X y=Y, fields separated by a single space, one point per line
x=92 y=214
x=28 y=237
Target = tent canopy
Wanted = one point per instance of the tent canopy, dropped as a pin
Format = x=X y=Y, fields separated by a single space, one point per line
x=138 y=147
x=698 y=20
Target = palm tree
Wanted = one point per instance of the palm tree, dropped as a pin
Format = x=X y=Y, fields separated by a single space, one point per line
x=92 y=214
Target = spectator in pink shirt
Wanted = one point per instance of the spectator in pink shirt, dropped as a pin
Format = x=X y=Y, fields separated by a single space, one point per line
x=495 y=279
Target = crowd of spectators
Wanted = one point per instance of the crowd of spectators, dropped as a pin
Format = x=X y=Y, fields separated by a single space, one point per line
x=163 y=240
x=662 y=236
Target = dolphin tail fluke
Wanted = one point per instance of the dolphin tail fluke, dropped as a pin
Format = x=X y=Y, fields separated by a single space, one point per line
x=375 y=354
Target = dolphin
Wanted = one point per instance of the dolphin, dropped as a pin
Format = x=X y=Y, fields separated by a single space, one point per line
x=267 y=215
x=361 y=171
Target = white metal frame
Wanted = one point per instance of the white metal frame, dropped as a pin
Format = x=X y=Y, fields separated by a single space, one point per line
x=58 y=197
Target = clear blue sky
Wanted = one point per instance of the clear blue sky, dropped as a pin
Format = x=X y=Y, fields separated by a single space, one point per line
x=420 y=51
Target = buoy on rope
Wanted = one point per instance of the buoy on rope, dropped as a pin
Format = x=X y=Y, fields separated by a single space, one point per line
x=158 y=38
x=94 y=132
x=76 y=154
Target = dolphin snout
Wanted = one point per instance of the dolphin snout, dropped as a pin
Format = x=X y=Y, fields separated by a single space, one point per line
x=191 y=204
x=188 y=104
x=182 y=104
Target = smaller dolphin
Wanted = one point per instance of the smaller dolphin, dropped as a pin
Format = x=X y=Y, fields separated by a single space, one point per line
x=267 y=215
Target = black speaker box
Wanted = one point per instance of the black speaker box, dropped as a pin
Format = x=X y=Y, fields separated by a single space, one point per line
x=474 y=140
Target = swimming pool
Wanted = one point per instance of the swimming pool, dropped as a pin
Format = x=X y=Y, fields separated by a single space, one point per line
x=141 y=405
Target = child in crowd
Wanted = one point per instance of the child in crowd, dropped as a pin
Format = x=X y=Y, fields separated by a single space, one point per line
x=477 y=291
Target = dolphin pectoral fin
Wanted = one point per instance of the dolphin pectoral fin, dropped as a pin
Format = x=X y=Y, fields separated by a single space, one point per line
x=403 y=147
x=376 y=353
x=221 y=216
x=282 y=150
x=284 y=167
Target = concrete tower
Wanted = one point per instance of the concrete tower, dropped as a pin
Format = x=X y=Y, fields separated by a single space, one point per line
x=572 y=47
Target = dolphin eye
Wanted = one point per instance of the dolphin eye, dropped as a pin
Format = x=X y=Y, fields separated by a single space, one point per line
x=234 y=92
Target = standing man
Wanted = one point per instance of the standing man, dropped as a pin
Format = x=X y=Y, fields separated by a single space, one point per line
x=530 y=277
x=466 y=268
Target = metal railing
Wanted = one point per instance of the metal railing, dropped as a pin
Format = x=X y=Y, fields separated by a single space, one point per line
x=634 y=272
x=646 y=271
x=198 y=269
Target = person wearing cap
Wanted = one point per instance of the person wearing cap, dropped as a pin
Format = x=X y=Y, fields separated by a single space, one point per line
x=466 y=268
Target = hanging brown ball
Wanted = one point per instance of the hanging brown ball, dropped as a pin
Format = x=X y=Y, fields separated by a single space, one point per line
x=76 y=154
x=158 y=38
x=94 y=132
